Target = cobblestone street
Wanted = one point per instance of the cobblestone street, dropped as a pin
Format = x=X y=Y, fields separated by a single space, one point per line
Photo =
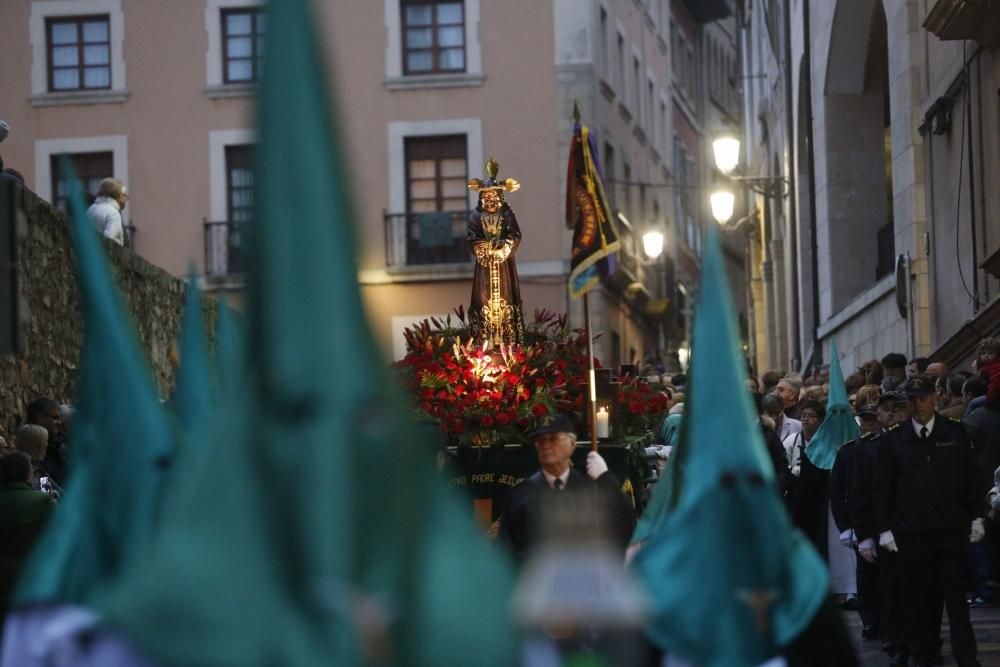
x=985 y=620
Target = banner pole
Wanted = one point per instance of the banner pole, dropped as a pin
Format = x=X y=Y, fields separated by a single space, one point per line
x=592 y=377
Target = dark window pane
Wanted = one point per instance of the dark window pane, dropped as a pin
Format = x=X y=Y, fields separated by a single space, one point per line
x=90 y=168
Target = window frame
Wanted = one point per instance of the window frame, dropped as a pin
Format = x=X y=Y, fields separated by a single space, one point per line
x=90 y=157
x=434 y=47
x=243 y=150
x=446 y=140
x=254 y=11
x=50 y=67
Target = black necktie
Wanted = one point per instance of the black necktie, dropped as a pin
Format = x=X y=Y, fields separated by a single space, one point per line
x=558 y=484
x=923 y=433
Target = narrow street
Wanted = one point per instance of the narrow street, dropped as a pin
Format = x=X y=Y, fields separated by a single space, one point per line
x=985 y=620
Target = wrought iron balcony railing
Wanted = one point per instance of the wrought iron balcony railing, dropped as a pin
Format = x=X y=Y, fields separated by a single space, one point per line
x=415 y=239
x=225 y=244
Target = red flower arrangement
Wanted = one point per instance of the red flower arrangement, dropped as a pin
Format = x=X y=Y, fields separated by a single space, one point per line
x=641 y=407
x=491 y=395
x=486 y=396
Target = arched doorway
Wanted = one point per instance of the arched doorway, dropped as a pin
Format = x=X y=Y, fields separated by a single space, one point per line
x=854 y=183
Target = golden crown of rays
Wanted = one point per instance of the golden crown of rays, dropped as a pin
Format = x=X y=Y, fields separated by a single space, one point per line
x=491 y=183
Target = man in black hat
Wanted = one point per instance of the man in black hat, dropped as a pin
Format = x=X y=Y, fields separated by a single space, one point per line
x=928 y=506
x=893 y=371
x=558 y=487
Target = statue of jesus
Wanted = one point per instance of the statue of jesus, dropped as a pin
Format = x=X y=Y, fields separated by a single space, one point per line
x=493 y=236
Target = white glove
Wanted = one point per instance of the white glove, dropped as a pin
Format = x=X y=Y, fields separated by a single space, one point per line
x=596 y=466
x=796 y=470
x=887 y=541
x=847 y=538
x=866 y=549
x=978 y=531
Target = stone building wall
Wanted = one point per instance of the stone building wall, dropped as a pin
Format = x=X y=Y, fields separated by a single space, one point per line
x=51 y=327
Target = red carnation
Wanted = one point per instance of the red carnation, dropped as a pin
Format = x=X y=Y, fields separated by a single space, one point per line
x=502 y=419
x=539 y=410
x=486 y=421
x=635 y=407
x=425 y=406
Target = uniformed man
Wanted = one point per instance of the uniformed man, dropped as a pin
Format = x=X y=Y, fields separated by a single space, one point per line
x=558 y=487
x=841 y=488
x=928 y=505
x=880 y=581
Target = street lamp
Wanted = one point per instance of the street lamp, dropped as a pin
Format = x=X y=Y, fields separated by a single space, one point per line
x=652 y=243
x=727 y=154
x=727 y=158
x=723 y=202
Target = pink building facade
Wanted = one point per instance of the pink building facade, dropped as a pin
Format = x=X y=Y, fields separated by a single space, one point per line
x=160 y=95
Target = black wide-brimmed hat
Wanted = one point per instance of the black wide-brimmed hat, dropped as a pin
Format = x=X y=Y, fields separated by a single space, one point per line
x=919 y=385
x=870 y=410
x=557 y=423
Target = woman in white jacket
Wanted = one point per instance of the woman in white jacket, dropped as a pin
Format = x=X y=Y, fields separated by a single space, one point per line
x=105 y=214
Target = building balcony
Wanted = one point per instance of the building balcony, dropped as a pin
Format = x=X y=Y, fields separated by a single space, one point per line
x=706 y=11
x=965 y=19
x=425 y=239
x=225 y=249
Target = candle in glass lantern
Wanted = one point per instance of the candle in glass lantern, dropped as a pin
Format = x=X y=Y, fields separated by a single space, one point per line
x=602 y=423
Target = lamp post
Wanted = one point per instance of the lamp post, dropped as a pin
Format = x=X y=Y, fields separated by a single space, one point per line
x=726 y=150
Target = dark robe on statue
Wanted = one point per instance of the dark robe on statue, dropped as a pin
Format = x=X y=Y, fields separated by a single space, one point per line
x=493 y=239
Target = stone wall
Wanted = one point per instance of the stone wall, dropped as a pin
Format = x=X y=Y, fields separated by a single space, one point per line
x=51 y=327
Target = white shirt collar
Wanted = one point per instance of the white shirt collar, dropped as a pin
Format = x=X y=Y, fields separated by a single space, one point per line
x=551 y=479
x=917 y=425
x=108 y=200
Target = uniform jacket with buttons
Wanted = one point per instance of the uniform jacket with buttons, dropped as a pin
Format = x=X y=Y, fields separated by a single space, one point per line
x=930 y=484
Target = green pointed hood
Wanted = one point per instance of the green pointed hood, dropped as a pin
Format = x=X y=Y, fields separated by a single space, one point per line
x=666 y=489
x=192 y=399
x=839 y=426
x=318 y=533
x=726 y=556
x=228 y=349
x=121 y=440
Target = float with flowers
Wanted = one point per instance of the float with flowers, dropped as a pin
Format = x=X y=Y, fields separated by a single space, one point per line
x=484 y=399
